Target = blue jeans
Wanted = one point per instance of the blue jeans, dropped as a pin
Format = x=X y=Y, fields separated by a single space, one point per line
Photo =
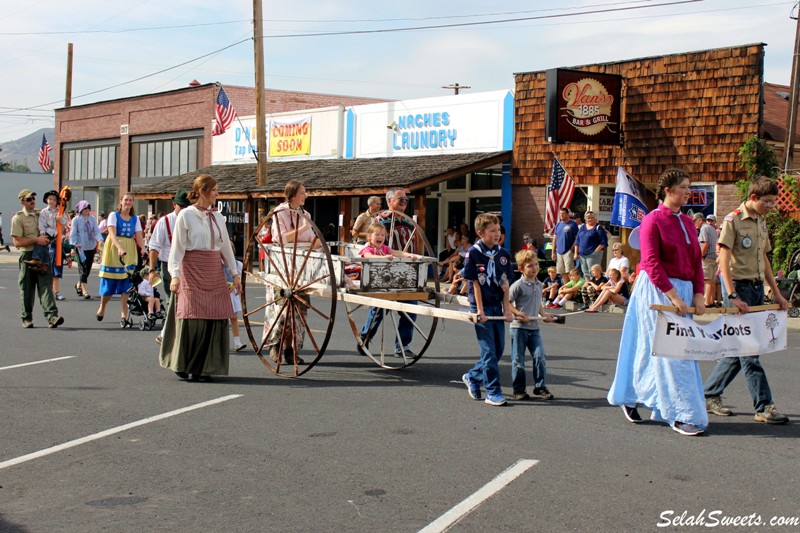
x=587 y=261
x=530 y=339
x=405 y=327
x=728 y=367
x=491 y=341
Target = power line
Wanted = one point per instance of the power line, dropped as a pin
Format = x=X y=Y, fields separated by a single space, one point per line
x=479 y=23
x=133 y=80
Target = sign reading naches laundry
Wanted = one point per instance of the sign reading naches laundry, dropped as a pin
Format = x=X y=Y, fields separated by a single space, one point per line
x=582 y=107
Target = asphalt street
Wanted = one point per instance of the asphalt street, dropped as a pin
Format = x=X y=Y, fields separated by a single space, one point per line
x=351 y=447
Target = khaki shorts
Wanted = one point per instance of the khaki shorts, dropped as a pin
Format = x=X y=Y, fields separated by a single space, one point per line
x=565 y=262
x=709 y=269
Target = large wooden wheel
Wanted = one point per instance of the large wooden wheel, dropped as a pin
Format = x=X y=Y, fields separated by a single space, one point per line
x=386 y=326
x=298 y=284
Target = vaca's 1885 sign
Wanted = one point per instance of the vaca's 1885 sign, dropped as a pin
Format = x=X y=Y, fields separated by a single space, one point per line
x=582 y=107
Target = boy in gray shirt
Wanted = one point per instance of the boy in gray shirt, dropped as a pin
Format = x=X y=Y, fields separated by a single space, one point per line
x=525 y=296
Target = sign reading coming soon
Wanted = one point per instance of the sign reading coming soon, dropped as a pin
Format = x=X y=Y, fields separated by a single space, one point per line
x=290 y=138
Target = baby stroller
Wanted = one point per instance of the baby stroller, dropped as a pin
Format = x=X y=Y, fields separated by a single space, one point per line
x=137 y=306
x=790 y=285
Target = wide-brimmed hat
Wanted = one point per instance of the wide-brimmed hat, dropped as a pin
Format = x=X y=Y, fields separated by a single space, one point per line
x=83 y=204
x=181 y=198
x=48 y=194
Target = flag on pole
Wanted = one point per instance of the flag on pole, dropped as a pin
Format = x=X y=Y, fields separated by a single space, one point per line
x=629 y=208
x=44 y=155
x=223 y=113
x=559 y=194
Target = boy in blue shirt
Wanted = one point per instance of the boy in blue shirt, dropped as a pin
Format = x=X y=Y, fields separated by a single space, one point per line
x=488 y=268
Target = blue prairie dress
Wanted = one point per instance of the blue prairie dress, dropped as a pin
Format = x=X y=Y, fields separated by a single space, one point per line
x=113 y=272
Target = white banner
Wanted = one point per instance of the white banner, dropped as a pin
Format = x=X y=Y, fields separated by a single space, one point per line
x=728 y=336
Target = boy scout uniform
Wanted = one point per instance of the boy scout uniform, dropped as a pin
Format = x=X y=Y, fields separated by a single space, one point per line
x=744 y=233
x=26 y=225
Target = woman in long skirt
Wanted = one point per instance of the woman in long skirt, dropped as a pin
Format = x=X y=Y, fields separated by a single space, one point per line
x=671 y=274
x=195 y=336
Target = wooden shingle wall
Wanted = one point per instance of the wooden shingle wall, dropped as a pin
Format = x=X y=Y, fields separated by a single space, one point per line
x=692 y=111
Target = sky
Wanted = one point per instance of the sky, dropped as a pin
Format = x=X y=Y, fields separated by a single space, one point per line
x=133 y=47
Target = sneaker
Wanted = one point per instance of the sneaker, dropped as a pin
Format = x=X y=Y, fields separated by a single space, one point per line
x=151 y=317
x=552 y=306
x=542 y=393
x=521 y=396
x=56 y=321
x=473 y=388
x=715 y=407
x=495 y=399
x=770 y=415
x=60 y=297
x=239 y=347
x=631 y=414
x=690 y=430
x=409 y=354
x=27 y=324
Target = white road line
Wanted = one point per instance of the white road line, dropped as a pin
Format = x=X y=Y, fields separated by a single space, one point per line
x=451 y=517
x=112 y=431
x=36 y=362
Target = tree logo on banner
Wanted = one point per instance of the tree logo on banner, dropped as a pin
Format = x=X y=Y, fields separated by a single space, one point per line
x=772 y=323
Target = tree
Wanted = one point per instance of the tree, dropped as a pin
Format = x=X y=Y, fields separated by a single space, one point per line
x=4 y=167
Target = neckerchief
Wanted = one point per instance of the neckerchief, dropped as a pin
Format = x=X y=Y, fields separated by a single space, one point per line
x=490 y=266
x=209 y=211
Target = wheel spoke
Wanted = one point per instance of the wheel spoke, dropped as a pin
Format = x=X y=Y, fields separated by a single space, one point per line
x=310 y=334
x=277 y=269
x=310 y=283
x=260 y=307
x=414 y=323
x=320 y=313
x=277 y=319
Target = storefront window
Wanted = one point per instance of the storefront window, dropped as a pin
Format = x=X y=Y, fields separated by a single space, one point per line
x=89 y=162
x=154 y=157
x=487 y=180
x=458 y=183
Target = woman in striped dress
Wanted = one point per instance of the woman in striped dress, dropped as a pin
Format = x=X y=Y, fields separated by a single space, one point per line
x=120 y=256
x=195 y=335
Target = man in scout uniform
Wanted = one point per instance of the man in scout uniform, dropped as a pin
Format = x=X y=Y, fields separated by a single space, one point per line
x=744 y=265
x=32 y=278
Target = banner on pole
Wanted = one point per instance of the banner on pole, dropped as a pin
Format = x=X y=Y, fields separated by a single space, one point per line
x=680 y=337
x=629 y=208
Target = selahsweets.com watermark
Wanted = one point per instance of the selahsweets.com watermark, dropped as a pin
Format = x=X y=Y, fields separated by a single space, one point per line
x=717 y=518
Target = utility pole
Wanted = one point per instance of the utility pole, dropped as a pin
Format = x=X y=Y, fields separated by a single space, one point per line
x=261 y=134
x=68 y=96
x=455 y=87
x=788 y=144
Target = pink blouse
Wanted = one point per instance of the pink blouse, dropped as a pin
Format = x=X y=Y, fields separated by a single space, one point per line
x=289 y=220
x=670 y=249
x=369 y=249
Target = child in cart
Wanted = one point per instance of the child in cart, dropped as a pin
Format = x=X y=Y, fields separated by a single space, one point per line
x=150 y=295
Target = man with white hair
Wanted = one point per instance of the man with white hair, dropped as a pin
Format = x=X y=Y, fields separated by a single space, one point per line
x=359 y=231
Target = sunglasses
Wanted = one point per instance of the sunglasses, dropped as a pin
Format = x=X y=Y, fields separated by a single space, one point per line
x=29 y=199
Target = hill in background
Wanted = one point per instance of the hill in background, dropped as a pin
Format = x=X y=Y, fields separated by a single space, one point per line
x=25 y=150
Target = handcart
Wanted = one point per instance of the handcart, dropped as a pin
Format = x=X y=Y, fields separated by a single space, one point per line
x=303 y=282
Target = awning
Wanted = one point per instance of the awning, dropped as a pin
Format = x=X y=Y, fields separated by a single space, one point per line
x=331 y=177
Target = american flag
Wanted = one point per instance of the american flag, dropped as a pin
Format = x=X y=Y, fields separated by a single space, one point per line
x=44 y=155
x=223 y=113
x=559 y=194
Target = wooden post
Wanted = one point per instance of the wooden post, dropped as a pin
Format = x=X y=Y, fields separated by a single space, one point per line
x=68 y=96
x=261 y=134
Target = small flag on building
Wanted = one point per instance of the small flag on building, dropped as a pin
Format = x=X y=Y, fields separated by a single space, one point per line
x=223 y=113
x=629 y=207
x=559 y=194
x=44 y=155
